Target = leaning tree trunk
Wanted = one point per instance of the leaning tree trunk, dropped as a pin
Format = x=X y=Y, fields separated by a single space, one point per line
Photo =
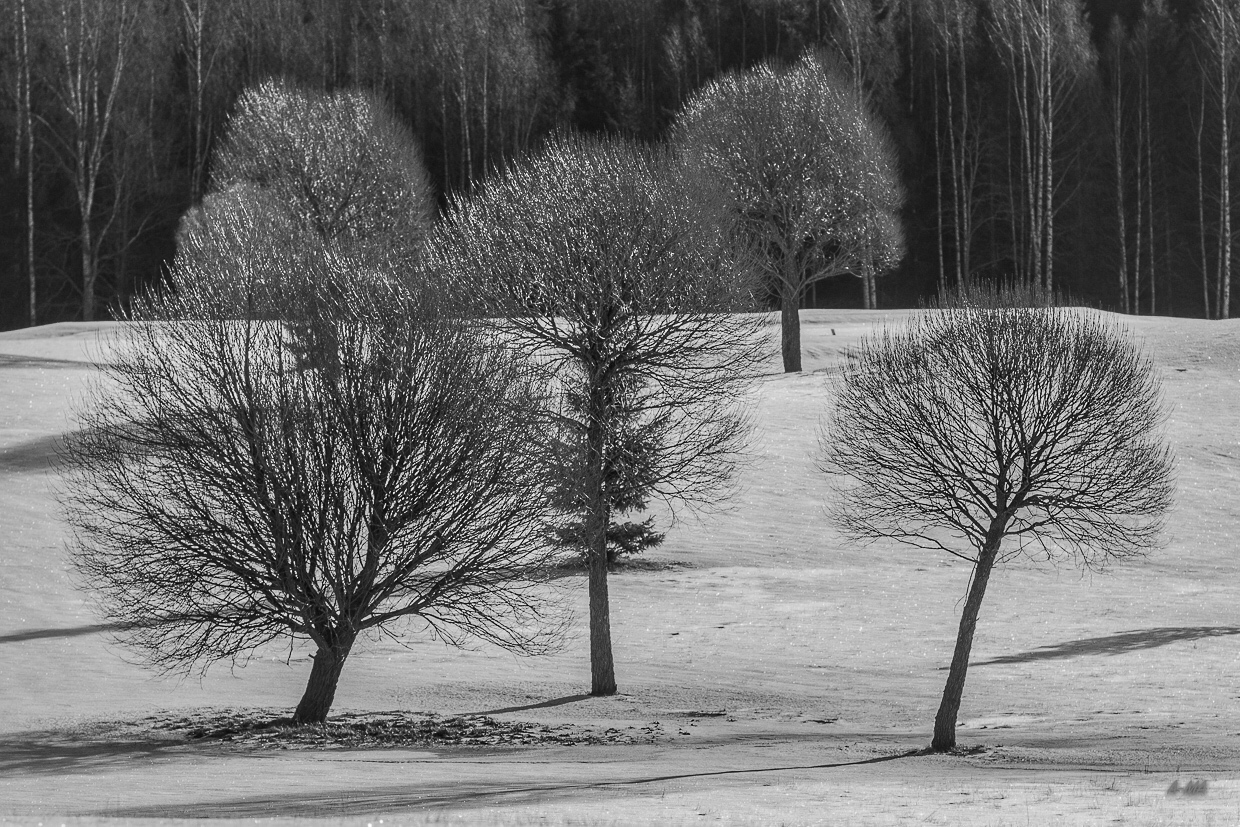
x=602 y=666
x=790 y=327
x=945 y=721
x=324 y=676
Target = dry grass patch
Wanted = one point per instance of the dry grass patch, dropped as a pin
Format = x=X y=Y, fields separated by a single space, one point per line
x=274 y=729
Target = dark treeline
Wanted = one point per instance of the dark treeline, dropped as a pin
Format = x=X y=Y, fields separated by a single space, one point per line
x=1083 y=146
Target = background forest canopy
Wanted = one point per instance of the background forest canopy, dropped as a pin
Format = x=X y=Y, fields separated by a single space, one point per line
x=1082 y=146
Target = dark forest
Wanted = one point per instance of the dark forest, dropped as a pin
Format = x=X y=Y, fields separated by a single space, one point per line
x=1084 y=147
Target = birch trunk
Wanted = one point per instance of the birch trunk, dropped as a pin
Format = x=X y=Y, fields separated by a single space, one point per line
x=1201 y=204
x=1117 y=128
x=26 y=125
x=90 y=104
x=1224 y=276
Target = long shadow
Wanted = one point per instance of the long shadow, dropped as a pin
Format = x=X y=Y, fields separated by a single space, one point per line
x=567 y=699
x=339 y=803
x=36 y=455
x=68 y=631
x=1117 y=644
x=51 y=752
x=16 y=360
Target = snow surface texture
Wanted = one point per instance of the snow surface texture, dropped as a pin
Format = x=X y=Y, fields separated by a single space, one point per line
x=777 y=676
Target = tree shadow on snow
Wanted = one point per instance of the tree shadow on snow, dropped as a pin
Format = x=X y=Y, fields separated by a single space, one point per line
x=17 y=360
x=52 y=752
x=35 y=455
x=403 y=798
x=63 y=631
x=1117 y=644
x=567 y=699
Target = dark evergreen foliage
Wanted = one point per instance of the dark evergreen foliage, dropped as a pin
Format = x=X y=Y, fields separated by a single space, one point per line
x=630 y=476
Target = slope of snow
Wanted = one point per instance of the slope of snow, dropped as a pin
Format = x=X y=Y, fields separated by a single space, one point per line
x=777 y=648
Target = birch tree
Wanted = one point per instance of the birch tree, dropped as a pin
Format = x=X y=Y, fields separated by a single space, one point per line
x=951 y=29
x=25 y=150
x=93 y=43
x=202 y=25
x=1044 y=51
x=1219 y=60
x=1115 y=49
x=481 y=64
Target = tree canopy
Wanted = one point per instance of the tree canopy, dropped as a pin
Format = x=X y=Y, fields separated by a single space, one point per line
x=810 y=173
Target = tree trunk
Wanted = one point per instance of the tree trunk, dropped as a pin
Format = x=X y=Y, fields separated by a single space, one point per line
x=938 y=178
x=1048 y=157
x=1117 y=123
x=324 y=675
x=1138 y=223
x=945 y=721
x=1148 y=137
x=790 y=326
x=194 y=20
x=1224 y=274
x=964 y=178
x=27 y=126
x=602 y=666
x=88 y=268
x=1201 y=204
x=956 y=152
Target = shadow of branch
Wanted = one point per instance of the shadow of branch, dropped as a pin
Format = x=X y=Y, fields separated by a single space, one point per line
x=64 y=631
x=1117 y=644
x=339 y=803
x=567 y=699
x=55 y=752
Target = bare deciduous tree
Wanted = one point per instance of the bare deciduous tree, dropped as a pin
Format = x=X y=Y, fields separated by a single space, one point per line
x=606 y=261
x=227 y=491
x=811 y=174
x=224 y=497
x=990 y=431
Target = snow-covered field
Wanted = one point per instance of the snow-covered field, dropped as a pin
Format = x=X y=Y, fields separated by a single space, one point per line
x=789 y=671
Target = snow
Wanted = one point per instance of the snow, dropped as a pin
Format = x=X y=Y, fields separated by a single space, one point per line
x=1088 y=697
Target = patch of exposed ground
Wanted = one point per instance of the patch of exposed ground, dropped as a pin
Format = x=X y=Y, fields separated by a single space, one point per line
x=248 y=729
